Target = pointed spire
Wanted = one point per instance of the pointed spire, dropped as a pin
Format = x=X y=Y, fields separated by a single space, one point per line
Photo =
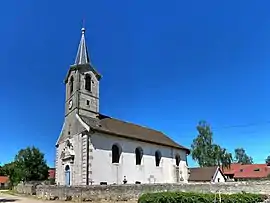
x=82 y=54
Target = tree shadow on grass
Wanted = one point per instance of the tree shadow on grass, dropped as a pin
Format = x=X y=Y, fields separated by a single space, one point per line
x=8 y=200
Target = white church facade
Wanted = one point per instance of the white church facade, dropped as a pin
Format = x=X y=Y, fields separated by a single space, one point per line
x=93 y=148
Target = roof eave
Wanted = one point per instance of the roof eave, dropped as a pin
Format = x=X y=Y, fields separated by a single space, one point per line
x=72 y=67
x=78 y=66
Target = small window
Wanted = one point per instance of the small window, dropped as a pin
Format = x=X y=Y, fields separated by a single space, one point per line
x=257 y=169
x=139 y=155
x=157 y=157
x=115 y=153
x=87 y=102
x=88 y=82
x=241 y=170
x=177 y=159
x=71 y=85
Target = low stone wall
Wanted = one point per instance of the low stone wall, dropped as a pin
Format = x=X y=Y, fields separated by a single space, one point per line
x=28 y=189
x=132 y=192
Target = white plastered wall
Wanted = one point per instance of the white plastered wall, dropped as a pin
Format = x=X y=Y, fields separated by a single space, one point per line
x=103 y=170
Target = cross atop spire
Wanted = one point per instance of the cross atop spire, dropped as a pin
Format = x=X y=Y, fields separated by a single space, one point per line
x=82 y=53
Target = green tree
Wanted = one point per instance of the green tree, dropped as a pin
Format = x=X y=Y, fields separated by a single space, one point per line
x=241 y=157
x=31 y=165
x=1 y=171
x=12 y=171
x=205 y=151
x=226 y=159
x=201 y=148
x=267 y=160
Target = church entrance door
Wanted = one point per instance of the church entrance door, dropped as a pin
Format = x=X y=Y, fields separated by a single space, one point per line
x=67 y=175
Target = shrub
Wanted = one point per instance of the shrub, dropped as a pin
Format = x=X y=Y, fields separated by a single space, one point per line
x=190 y=197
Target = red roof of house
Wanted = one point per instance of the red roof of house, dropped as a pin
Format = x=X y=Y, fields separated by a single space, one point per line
x=51 y=173
x=248 y=171
x=3 y=179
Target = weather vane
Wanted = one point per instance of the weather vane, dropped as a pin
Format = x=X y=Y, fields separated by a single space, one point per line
x=83 y=25
x=83 y=22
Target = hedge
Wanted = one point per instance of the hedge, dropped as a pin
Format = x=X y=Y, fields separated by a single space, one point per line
x=188 y=197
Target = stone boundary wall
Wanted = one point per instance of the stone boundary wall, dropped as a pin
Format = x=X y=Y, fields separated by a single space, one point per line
x=132 y=192
x=28 y=189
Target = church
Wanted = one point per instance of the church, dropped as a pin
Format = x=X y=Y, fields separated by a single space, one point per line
x=96 y=149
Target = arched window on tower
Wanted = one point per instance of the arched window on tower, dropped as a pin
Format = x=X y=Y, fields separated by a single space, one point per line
x=71 y=81
x=139 y=155
x=157 y=157
x=116 y=152
x=87 y=82
x=177 y=159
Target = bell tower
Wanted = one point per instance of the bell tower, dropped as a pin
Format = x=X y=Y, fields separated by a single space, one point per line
x=82 y=92
x=81 y=99
x=82 y=84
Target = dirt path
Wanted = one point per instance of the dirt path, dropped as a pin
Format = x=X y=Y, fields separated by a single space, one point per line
x=17 y=199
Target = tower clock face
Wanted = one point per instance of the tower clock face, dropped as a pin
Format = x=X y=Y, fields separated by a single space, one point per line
x=70 y=104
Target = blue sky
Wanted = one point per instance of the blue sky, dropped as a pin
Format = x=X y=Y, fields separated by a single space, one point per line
x=164 y=65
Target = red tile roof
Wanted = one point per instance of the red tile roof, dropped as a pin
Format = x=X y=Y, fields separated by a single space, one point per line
x=3 y=179
x=248 y=171
x=51 y=173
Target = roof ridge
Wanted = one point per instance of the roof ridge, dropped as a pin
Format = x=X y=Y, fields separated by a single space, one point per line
x=248 y=164
x=204 y=167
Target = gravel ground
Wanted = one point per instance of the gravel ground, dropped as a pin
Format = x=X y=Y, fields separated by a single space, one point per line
x=19 y=199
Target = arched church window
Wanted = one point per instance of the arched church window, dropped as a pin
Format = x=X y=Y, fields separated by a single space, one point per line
x=177 y=159
x=67 y=168
x=87 y=82
x=116 y=152
x=157 y=157
x=139 y=155
x=71 y=85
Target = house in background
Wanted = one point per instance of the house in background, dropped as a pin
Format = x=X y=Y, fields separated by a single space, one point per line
x=51 y=173
x=247 y=172
x=206 y=174
x=4 y=182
